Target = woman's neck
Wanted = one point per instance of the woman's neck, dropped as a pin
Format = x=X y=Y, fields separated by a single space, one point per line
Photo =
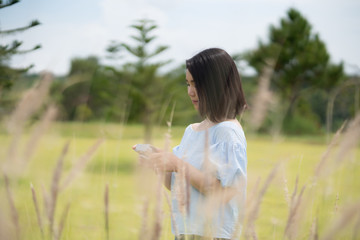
x=206 y=123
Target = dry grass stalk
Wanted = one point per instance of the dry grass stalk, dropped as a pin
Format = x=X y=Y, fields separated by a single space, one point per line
x=46 y=199
x=162 y=110
x=350 y=140
x=14 y=212
x=144 y=231
x=357 y=228
x=158 y=212
x=294 y=192
x=167 y=143
x=286 y=189
x=290 y=229
x=334 y=141
x=241 y=201
x=250 y=199
x=208 y=167
x=81 y=163
x=187 y=189
x=250 y=233
x=213 y=206
x=314 y=231
x=171 y=213
x=336 y=203
x=54 y=189
x=254 y=211
x=168 y=134
x=45 y=122
x=182 y=190
x=213 y=199
x=62 y=222
x=182 y=183
x=31 y=102
x=342 y=221
x=4 y=230
x=106 y=203
x=171 y=115
x=263 y=96
x=253 y=233
x=37 y=211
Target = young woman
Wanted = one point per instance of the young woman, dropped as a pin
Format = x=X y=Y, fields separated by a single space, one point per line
x=211 y=155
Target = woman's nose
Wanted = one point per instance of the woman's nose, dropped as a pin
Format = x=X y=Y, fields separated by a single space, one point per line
x=191 y=91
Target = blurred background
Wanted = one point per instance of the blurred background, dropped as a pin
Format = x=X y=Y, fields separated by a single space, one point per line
x=77 y=72
x=102 y=53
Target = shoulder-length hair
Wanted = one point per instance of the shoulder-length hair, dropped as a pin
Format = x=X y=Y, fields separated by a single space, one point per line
x=218 y=84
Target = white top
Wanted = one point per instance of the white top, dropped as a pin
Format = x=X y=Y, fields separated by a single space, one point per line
x=227 y=152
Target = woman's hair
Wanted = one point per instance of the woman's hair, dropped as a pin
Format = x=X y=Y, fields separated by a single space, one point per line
x=218 y=84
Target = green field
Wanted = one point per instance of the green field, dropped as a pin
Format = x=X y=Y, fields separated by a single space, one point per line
x=115 y=164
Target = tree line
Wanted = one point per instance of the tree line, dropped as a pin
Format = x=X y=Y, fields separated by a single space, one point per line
x=294 y=77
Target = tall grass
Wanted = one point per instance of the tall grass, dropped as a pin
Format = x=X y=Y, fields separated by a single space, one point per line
x=15 y=164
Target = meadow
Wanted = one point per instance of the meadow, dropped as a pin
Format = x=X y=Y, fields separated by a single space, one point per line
x=103 y=194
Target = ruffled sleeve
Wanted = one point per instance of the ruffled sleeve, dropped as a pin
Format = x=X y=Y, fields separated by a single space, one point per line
x=230 y=161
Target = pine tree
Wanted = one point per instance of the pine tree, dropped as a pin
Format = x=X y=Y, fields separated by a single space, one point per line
x=8 y=74
x=147 y=88
x=300 y=59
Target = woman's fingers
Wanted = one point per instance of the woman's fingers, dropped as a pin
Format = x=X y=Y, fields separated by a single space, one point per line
x=157 y=161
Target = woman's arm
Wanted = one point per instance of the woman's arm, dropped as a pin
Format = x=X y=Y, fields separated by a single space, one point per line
x=207 y=184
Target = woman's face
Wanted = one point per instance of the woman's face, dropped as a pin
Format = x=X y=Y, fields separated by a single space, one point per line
x=192 y=90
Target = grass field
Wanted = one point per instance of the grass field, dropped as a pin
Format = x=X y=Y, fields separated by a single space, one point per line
x=333 y=196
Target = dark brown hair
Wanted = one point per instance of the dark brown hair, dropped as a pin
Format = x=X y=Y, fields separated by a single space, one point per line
x=218 y=84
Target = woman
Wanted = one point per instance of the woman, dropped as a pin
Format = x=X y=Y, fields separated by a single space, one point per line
x=212 y=154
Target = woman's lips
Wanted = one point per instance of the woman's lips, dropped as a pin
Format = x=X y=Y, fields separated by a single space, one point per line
x=194 y=102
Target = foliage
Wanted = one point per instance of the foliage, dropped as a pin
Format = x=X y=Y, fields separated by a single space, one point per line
x=299 y=124
x=8 y=74
x=148 y=92
x=343 y=106
x=93 y=91
x=11 y=96
x=299 y=58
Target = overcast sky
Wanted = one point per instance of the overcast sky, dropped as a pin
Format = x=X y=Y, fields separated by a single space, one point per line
x=79 y=28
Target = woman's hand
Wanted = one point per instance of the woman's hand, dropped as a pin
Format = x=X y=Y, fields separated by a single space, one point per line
x=165 y=162
x=160 y=161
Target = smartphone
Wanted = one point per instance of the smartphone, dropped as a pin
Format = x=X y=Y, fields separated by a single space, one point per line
x=144 y=148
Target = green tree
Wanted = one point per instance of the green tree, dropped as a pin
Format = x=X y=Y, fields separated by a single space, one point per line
x=76 y=89
x=93 y=91
x=7 y=73
x=299 y=57
x=147 y=87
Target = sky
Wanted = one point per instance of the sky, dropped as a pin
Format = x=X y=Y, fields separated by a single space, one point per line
x=80 y=28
